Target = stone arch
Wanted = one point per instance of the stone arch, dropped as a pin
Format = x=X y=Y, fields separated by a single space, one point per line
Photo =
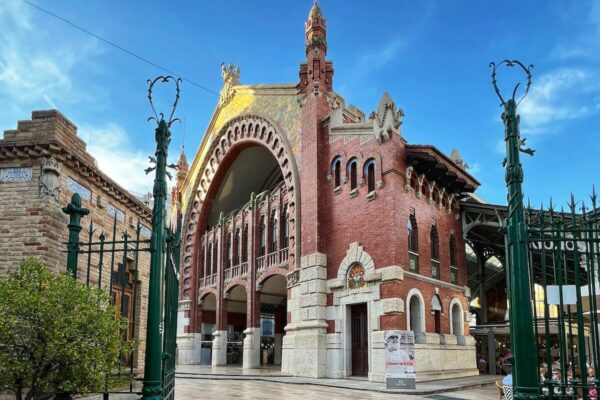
x=456 y=317
x=356 y=255
x=243 y=130
x=269 y=273
x=415 y=311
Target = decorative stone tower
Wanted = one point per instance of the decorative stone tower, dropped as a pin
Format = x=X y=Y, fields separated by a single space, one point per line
x=305 y=342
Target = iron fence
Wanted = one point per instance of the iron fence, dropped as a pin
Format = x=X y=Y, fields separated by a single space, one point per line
x=564 y=249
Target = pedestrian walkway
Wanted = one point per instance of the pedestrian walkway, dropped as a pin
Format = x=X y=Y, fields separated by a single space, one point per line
x=274 y=375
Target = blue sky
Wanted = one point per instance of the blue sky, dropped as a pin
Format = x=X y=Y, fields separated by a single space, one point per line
x=431 y=56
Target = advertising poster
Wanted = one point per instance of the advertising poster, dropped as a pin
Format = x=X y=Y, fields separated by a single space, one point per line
x=399 y=349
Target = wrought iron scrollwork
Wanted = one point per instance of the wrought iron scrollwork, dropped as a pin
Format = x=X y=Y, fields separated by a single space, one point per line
x=511 y=63
x=160 y=116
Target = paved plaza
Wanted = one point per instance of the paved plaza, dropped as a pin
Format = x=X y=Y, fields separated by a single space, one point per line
x=213 y=389
x=205 y=382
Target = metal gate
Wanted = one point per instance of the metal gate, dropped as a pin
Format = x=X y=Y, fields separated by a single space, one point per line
x=563 y=262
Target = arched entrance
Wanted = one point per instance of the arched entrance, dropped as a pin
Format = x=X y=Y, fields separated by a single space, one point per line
x=273 y=318
x=241 y=224
x=208 y=308
x=236 y=324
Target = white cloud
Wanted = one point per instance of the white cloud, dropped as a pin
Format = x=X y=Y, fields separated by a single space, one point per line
x=474 y=168
x=115 y=155
x=564 y=94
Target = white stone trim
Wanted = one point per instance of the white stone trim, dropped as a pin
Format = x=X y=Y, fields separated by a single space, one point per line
x=356 y=255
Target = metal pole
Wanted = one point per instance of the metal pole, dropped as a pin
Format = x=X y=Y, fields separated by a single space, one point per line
x=75 y=211
x=523 y=341
x=154 y=347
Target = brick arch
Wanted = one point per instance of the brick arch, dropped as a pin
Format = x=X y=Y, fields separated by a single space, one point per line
x=269 y=273
x=206 y=291
x=238 y=133
x=236 y=282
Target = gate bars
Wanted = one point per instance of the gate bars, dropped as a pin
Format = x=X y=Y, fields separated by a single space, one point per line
x=552 y=280
x=563 y=260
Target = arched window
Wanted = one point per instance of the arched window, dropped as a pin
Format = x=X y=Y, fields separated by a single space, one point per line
x=285 y=226
x=453 y=265
x=229 y=248
x=209 y=253
x=435 y=252
x=336 y=171
x=369 y=171
x=245 y=244
x=236 y=247
x=352 y=174
x=262 y=240
x=457 y=319
x=436 y=309
x=413 y=243
x=416 y=321
x=273 y=231
x=215 y=255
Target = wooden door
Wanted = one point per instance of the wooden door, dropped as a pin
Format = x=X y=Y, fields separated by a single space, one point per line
x=360 y=346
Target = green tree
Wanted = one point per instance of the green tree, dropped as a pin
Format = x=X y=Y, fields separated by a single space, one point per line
x=57 y=336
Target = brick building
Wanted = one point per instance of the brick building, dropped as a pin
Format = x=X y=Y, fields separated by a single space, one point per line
x=42 y=163
x=310 y=229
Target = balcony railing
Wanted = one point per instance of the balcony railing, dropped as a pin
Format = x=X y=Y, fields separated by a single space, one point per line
x=271 y=259
x=209 y=280
x=260 y=263
x=283 y=257
x=244 y=269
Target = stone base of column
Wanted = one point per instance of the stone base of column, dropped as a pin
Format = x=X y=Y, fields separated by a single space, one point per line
x=305 y=350
x=251 y=358
x=188 y=349
x=278 y=343
x=219 y=348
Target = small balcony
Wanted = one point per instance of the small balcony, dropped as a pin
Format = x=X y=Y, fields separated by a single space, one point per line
x=207 y=281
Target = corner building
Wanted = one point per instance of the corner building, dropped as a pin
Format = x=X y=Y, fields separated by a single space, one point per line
x=310 y=229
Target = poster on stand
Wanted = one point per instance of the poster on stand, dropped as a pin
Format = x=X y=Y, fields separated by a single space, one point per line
x=399 y=347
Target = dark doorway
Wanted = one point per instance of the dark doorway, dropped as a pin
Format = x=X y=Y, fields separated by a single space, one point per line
x=360 y=349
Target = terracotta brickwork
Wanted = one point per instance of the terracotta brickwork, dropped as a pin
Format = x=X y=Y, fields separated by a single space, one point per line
x=356 y=186
x=32 y=222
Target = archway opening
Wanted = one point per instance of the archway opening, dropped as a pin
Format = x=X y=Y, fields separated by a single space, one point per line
x=208 y=309
x=236 y=324
x=273 y=318
x=436 y=309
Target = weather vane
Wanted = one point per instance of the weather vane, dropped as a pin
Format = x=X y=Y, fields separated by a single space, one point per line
x=160 y=116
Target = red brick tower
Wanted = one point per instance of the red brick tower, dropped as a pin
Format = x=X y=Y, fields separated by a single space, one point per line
x=316 y=80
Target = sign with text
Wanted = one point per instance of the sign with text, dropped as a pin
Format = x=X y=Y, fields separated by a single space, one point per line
x=399 y=349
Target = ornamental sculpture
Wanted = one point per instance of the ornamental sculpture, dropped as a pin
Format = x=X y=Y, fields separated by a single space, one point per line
x=231 y=78
x=49 y=179
x=356 y=277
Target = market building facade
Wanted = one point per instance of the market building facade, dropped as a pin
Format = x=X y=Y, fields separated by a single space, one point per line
x=311 y=228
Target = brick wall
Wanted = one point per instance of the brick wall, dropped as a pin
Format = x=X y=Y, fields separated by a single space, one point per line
x=33 y=224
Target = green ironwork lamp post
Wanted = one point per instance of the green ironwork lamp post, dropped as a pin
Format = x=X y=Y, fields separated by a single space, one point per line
x=522 y=336
x=154 y=345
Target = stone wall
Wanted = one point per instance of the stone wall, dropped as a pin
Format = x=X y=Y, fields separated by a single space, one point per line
x=42 y=163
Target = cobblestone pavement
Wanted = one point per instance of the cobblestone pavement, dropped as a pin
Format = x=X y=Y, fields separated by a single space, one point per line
x=210 y=389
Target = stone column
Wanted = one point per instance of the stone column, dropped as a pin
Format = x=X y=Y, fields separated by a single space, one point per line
x=491 y=352
x=305 y=342
x=219 y=348
x=278 y=342
x=251 y=348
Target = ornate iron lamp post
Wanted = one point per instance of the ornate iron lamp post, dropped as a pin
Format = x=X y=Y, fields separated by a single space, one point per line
x=75 y=211
x=154 y=345
x=523 y=341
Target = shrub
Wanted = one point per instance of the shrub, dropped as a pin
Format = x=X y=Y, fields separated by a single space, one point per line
x=57 y=336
